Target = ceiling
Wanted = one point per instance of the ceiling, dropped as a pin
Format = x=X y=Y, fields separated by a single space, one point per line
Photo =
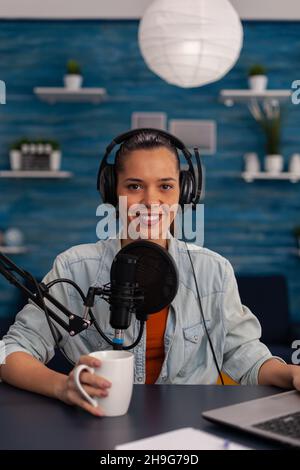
x=133 y=9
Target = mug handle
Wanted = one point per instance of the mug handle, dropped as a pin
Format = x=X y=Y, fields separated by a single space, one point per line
x=77 y=372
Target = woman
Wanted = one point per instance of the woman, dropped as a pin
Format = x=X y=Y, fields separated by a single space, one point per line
x=174 y=347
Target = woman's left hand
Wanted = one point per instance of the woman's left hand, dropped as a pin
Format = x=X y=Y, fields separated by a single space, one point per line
x=296 y=377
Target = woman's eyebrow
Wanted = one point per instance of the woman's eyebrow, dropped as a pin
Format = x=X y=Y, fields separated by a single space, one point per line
x=139 y=180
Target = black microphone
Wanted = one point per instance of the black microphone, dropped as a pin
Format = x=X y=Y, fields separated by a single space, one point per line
x=143 y=280
x=124 y=295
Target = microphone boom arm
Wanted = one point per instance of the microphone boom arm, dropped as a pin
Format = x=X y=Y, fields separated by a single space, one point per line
x=75 y=325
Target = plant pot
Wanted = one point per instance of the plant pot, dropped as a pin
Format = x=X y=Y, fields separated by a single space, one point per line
x=252 y=164
x=15 y=158
x=55 y=160
x=294 y=164
x=73 y=81
x=274 y=163
x=258 y=82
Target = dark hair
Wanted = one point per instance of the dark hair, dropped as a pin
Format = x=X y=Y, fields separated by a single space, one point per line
x=145 y=140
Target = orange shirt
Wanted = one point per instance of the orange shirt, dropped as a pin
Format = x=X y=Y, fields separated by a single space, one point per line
x=155 y=351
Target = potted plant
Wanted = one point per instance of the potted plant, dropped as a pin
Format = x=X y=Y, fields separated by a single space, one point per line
x=55 y=155
x=257 y=78
x=73 y=78
x=296 y=233
x=268 y=116
x=15 y=153
x=273 y=158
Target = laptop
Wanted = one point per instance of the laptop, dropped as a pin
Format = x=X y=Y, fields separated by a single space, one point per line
x=275 y=417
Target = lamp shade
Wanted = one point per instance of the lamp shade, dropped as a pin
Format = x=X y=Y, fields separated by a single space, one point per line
x=190 y=43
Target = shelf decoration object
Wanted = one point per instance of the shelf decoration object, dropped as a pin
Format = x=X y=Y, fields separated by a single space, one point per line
x=72 y=92
x=149 y=119
x=269 y=118
x=252 y=164
x=35 y=159
x=199 y=133
x=190 y=43
x=294 y=164
x=33 y=155
x=73 y=78
x=257 y=78
x=12 y=241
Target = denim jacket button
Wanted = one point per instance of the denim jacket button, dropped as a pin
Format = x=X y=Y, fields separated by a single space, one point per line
x=196 y=338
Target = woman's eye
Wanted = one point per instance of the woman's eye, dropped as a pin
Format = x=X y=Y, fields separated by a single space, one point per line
x=166 y=187
x=134 y=186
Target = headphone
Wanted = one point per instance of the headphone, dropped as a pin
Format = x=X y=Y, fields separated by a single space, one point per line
x=190 y=186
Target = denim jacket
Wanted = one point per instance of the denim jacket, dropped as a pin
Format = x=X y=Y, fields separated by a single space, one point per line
x=233 y=329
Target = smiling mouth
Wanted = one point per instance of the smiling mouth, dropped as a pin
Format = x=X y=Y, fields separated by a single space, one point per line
x=149 y=220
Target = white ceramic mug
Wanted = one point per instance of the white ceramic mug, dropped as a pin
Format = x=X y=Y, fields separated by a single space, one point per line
x=118 y=368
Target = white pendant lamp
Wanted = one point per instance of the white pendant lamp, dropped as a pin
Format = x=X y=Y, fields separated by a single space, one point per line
x=190 y=43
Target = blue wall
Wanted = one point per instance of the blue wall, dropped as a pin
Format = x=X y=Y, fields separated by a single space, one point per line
x=248 y=223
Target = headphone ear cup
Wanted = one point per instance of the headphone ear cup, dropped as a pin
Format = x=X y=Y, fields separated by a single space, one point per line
x=107 y=186
x=187 y=187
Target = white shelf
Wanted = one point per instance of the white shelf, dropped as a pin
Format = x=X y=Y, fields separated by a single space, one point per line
x=230 y=97
x=62 y=94
x=35 y=174
x=263 y=175
x=13 y=250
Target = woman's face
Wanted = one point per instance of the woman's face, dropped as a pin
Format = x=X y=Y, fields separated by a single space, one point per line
x=150 y=182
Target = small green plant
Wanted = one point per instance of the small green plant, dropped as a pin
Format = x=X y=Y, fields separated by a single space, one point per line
x=272 y=130
x=257 y=69
x=17 y=145
x=73 y=67
x=54 y=144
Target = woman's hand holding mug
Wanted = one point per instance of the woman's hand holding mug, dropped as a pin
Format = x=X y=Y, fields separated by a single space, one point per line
x=101 y=383
x=93 y=384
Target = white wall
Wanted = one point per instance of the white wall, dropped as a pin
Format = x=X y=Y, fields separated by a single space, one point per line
x=76 y=9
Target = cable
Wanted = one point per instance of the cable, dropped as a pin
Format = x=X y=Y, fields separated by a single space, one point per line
x=68 y=281
x=138 y=338
x=91 y=314
x=203 y=319
x=41 y=298
x=199 y=182
x=97 y=326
